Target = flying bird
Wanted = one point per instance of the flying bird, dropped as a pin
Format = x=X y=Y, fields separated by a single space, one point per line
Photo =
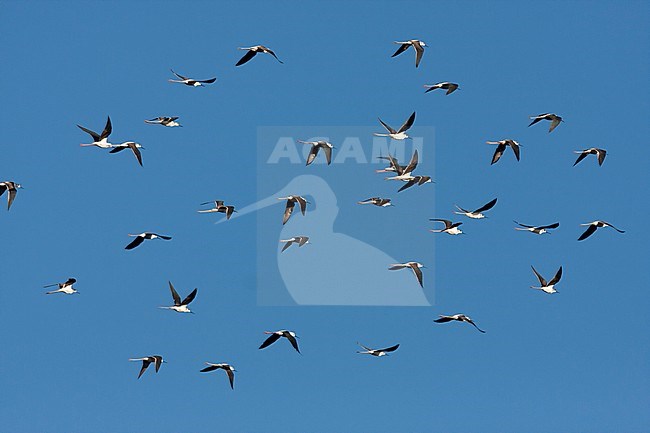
x=501 y=147
x=405 y=173
x=547 y=287
x=451 y=228
x=135 y=148
x=63 y=287
x=445 y=85
x=299 y=240
x=291 y=202
x=540 y=230
x=12 y=189
x=476 y=214
x=390 y=168
x=142 y=236
x=190 y=81
x=157 y=360
x=180 y=306
x=219 y=207
x=252 y=51
x=600 y=153
x=553 y=118
x=417 y=45
x=229 y=369
x=459 y=318
x=593 y=226
x=275 y=336
x=399 y=134
x=377 y=201
x=376 y=352
x=99 y=140
x=315 y=147
x=415 y=267
x=164 y=121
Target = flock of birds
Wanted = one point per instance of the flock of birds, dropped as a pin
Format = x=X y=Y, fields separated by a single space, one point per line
x=403 y=173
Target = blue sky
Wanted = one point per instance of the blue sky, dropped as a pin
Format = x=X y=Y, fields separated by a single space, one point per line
x=574 y=361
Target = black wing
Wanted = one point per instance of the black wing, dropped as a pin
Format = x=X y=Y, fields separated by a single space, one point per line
x=189 y=298
x=541 y=279
x=408 y=123
x=535 y=120
x=293 y=342
x=117 y=149
x=10 y=197
x=328 y=154
x=401 y=49
x=474 y=324
x=525 y=225
x=93 y=134
x=209 y=81
x=179 y=75
x=590 y=231
x=556 y=278
x=388 y=128
x=497 y=153
x=303 y=204
x=419 y=50
x=582 y=156
x=515 y=148
x=602 y=153
x=273 y=54
x=390 y=349
x=488 y=206
x=137 y=241
x=107 y=129
x=249 y=55
x=136 y=152
x=158 y=362
x=288 y=210
x=413 y=163
x=312 y=154
x=408 y=184
x=272 y=339
x=418 y=274
x=145 y=365
x=618 y=230
x=167 y=238
x=230 y=373
x=551 y=226
x=447 y=222
x=177 y=298
x=209 y=368
x=443 y=319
